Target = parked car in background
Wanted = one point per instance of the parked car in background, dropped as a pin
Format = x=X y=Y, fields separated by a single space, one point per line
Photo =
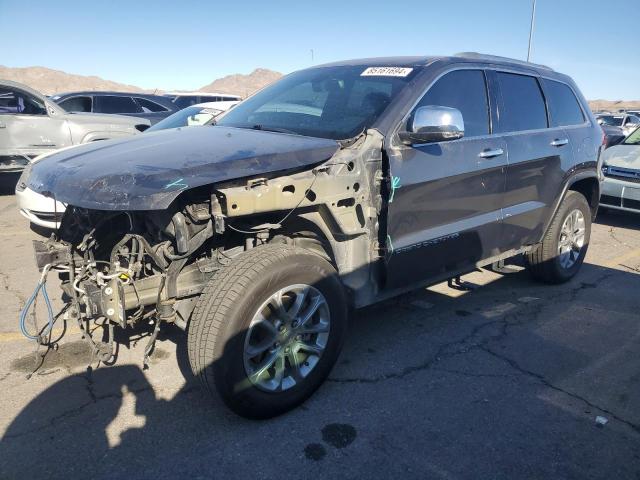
x=258 y=235
x=613 y=135
x=195 y=115
x=186 y=99
x=152 y=107
x=621 y=169
x=31 y=124
x=47 y=212
x=625 y=121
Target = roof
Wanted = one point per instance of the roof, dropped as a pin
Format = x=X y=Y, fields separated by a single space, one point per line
x=104 y=92
x=418 y=61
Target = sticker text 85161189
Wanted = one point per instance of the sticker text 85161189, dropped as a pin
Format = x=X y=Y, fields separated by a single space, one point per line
x=386 y=72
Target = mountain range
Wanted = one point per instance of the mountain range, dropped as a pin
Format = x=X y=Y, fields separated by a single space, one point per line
x=49 y=81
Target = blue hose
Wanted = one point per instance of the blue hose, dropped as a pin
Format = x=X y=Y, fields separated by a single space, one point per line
x=23 y=314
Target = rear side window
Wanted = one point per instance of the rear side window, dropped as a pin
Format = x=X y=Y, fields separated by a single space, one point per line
x=77 y=104
x=149 y=106
x=564 y=108
x=522 y=103
x=115 y=104
x=465 y=90
x=186 y=101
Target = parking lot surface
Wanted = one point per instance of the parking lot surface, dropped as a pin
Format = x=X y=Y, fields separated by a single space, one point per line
x=511 y=380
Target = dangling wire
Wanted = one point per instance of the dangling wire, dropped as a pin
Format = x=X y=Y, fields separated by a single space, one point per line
x=40 y=287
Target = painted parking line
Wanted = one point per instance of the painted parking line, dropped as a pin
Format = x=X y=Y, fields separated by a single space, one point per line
x=17 y=336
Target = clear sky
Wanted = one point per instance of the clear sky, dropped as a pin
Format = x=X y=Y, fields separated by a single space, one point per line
x=187 y=44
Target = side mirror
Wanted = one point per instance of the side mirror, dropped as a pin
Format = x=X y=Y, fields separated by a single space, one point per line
x=433 y=123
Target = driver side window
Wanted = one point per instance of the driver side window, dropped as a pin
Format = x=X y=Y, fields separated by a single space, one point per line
x=15 y=102
x=465 y=90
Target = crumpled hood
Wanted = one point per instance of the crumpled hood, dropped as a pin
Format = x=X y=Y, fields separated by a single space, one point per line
x=148 y=171
x=624 y=156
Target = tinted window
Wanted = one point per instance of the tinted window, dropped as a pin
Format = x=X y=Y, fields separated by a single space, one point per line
x=76 y=104
x=465 y=90
x=564 y=108
x=186 y=101
x=16 y=102
x=632 y=119
x=610 y=120
x=522 y=103
x=149 y=106
x=115 y=104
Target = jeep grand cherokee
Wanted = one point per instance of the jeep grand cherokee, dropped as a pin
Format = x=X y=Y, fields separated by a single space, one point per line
x=336 y=187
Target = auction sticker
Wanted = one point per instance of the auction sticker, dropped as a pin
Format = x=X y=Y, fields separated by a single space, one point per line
x=386 y=72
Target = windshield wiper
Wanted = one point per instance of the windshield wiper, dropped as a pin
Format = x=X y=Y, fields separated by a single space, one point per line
x=273 y=129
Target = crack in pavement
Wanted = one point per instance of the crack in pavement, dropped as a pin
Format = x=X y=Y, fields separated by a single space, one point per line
x=519 y=318
x=94 y=399
x=4 y=278
x=531 y=311
x=542 y=379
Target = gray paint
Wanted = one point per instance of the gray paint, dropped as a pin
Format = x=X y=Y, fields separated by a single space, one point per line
x=31 y=135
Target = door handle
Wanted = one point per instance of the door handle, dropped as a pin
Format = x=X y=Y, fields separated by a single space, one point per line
x=559 y=142
x=490 y=153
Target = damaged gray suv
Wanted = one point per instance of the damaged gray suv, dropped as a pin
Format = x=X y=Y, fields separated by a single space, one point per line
x=334 y=188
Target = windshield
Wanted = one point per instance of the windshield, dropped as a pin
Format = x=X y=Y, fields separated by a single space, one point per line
x=328 y=102
x=187 y=117
x=634 y=138
x=611 y=120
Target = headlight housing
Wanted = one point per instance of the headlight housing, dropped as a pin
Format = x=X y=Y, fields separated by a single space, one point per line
x=24 y=178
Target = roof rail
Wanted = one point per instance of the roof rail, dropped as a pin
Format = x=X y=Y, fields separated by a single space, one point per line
x=496 y=58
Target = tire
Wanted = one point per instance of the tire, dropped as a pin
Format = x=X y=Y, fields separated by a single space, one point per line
x=545 y=263
x=221 y=329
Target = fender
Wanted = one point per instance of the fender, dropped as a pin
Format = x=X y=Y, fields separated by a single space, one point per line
x=106 y=135
x=575 y=175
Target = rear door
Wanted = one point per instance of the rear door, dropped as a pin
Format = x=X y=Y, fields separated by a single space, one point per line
x=444 y=211
x=538 y=157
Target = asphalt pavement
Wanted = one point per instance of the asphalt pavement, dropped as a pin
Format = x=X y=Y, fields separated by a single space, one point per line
x=513 y=379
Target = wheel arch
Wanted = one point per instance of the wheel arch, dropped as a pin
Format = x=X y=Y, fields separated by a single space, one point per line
x=589 y=187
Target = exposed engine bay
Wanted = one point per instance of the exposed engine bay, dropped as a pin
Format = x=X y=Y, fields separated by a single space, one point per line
x=124 y=268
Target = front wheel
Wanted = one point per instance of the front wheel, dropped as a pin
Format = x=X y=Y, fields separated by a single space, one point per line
x=561 y=254
x=268 y=329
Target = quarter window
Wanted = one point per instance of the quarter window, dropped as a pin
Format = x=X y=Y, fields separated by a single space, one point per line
x=522 y=103
x=564 y=108
x=465 y=90
x=115 y=104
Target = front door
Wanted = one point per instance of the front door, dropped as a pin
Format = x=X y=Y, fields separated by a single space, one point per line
x=445 y=207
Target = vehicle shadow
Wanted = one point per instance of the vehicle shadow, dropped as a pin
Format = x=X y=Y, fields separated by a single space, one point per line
x=618 y=218
x=483 y=394
x=8 y=183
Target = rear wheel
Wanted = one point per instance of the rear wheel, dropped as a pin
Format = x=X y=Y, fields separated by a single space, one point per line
x=268 y=329
x=561 y=254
